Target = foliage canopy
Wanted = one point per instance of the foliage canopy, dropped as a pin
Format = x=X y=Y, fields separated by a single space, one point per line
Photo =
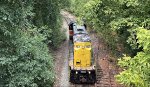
x=26 y=27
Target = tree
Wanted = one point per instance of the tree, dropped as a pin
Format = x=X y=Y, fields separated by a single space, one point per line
x=24 y=29
x=136 y=71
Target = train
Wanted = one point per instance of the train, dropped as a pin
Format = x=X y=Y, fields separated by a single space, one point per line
x=82 y=66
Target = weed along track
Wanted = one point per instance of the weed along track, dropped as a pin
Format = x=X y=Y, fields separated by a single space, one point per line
x=105 y=71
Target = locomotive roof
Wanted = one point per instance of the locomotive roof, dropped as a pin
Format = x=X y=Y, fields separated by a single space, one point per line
x=81 y=38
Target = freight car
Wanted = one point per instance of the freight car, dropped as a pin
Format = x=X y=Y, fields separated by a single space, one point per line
x=81 y=61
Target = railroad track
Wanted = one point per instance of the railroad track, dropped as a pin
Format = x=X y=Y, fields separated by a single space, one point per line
x=103 y=79
x=66 y=17
x=68 y=20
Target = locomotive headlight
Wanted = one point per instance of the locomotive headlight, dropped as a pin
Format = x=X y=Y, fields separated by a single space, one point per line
x=89 y=72
x=76 y=72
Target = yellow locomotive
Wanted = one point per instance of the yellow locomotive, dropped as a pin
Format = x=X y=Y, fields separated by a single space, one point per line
x=81 y=61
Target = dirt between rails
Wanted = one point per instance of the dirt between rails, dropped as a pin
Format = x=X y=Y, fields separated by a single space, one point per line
x=106 y=69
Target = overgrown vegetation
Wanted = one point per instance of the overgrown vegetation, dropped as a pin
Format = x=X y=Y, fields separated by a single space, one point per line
x=47 y=18
x=26 y=28
x=124 y=25
x=136 y=73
